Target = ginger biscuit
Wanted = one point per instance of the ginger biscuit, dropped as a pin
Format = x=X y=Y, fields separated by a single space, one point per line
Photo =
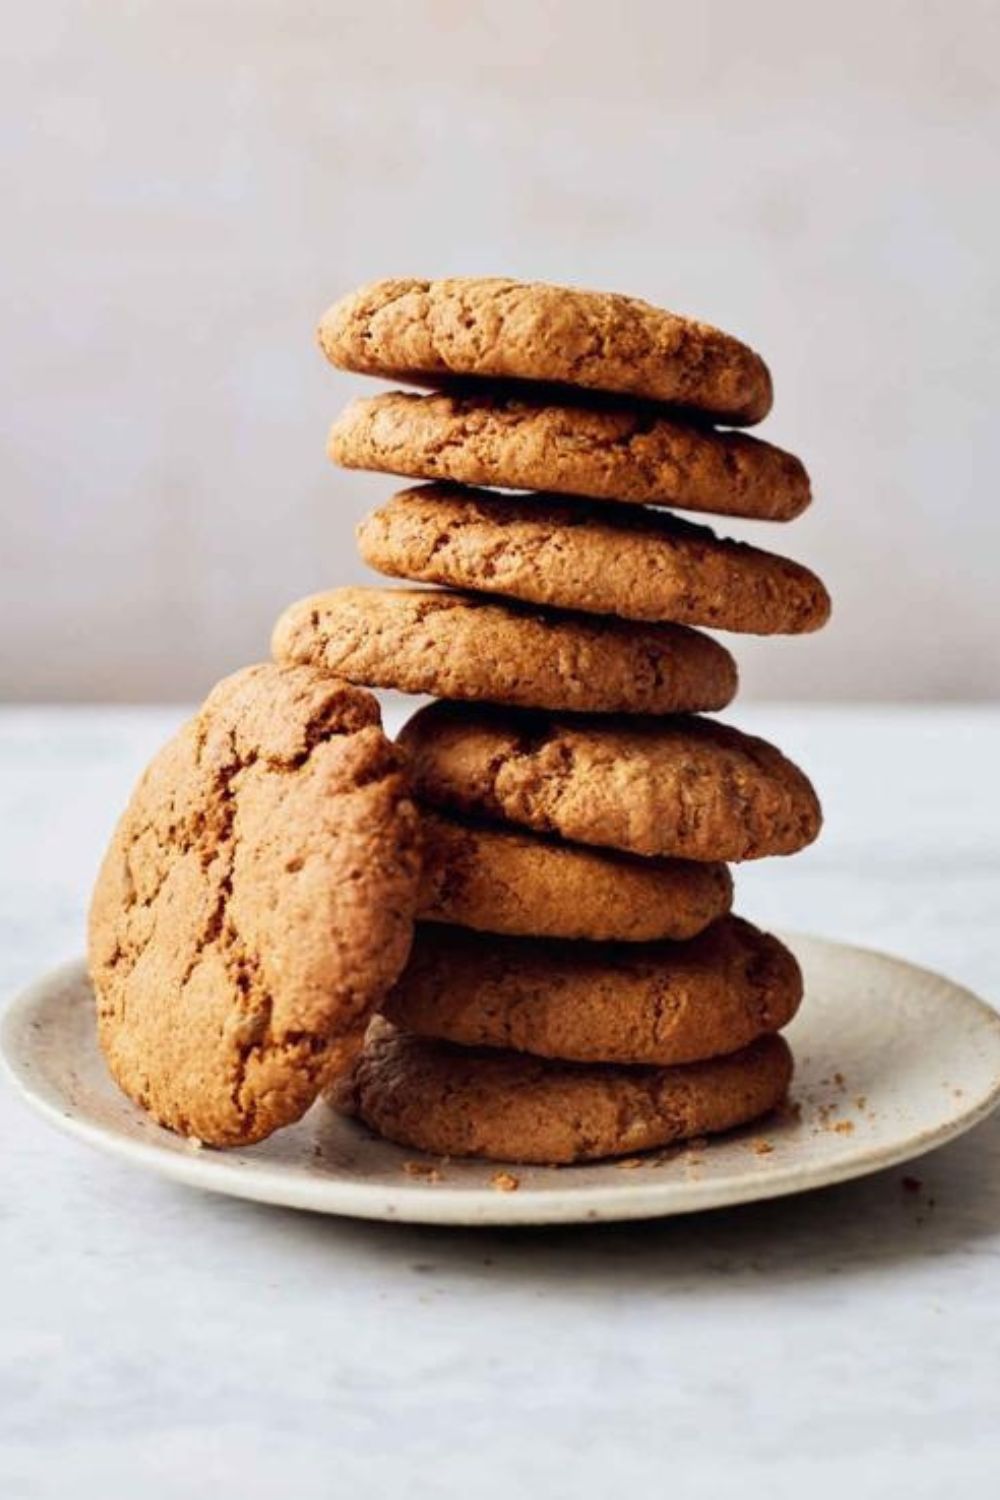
x=472 y=648
x=657 y=1003
x=433 y=331
x=684 y=787
x=508 y=1106
x=254 y=905
x=607 y=452
x=626 y=561
x=506 y=880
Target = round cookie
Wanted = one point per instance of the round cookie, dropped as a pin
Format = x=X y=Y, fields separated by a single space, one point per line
x=496 y=879
x=472 y=648
x=652 y=1003
x=603 y=559
x=685 y=787
x=607 y=452
x=254 y=905
x=507 y=1106
x=430 y=331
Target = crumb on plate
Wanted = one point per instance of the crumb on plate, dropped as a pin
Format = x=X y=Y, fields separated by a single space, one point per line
x=505 y=1182
x=423 y=1169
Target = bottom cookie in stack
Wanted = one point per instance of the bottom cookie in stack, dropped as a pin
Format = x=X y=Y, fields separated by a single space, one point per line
x=511 y=1106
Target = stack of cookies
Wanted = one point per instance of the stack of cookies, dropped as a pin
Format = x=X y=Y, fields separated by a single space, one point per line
x=575 y=986
x=578 y=987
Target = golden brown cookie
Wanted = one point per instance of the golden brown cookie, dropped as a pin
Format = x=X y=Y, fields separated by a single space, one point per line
x=497 y=879
x=431 y=331
x=684 y=787
x=657 y=1003
x=468 y=647
x=508 y=1106
x=254 y=905
x=632 y=454
x=582 y=555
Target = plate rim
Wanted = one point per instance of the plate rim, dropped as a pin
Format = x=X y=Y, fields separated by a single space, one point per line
x=482 y=1206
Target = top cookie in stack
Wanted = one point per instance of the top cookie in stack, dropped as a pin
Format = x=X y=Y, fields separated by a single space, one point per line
x=593 y=844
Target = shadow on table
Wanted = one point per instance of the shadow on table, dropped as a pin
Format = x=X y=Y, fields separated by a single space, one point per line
x=938 y=1204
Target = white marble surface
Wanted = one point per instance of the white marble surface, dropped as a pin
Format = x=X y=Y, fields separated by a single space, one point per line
x=156 y=1341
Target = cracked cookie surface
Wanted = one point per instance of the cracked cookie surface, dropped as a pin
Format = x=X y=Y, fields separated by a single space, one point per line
x=255 y=903
x=505 y=880
x=431 y=331
x=632 y=454
x=684 y=787
x=508 y=1106
x=627 y=561
x=657 y=1003
x=473 y=648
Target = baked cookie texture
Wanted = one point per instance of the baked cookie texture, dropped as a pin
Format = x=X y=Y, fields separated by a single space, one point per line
x=656 y=1003
x=685 y=787
x=254 y=905
x=607 y=452
x=503 y=880
x=508 y=1106
x=605 y=559
x=469 y=647
x=428 y=331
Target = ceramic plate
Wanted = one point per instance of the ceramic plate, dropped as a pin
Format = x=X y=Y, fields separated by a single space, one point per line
x=890 y=1061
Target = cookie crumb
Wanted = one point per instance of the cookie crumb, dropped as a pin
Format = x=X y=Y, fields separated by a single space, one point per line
x=423 y=1169
x=627 y=1163
x=838 y=1079
x=861 y=1101
x=844 y=1127
x=762 y=1147
x=505 y=1182
x=195 y=1142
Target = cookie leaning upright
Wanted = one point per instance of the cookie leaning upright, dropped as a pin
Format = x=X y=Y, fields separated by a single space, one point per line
x=255 y=904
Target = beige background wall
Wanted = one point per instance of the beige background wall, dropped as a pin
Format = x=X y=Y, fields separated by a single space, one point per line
x=187 y=184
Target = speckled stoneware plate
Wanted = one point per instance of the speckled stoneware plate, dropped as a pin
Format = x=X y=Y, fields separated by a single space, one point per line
x=891 y=1061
